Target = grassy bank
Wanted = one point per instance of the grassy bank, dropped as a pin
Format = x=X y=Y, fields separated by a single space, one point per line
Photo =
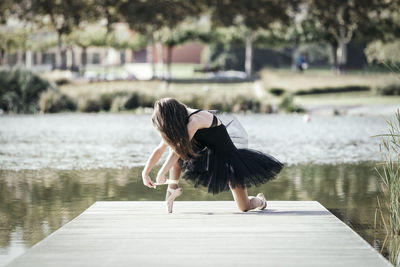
x=122 y=95
x=276 y=91
x=324 y=88
x=350 y=90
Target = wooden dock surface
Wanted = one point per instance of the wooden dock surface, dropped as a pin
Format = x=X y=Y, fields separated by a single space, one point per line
x=203 y=233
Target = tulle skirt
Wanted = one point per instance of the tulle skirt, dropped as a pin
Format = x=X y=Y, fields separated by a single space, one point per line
x=230 y=163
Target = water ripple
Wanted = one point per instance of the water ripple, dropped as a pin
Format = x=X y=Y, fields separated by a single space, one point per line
x=89 y=141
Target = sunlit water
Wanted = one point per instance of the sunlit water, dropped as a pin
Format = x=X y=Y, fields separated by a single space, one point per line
x=53 y=167
x=87 y=141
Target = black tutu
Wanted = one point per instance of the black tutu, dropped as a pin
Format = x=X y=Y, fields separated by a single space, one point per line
x=220 y=162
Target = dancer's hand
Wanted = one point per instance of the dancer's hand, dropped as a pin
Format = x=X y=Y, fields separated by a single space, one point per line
x=161 y=179
x=147 y=181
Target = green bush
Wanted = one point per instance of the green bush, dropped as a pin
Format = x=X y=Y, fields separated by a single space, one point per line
x=287 y=104
x=220 y=105
x=196 y=101
x=133 y=101
x=90 y=105
x=228 y=104
x=118 y=103
x=136 y=100
x=20 y=90
x=390 y=89
x=62 y=81
x=277 y=91
x=106 y=101
x=52 y=101
x=245 y=103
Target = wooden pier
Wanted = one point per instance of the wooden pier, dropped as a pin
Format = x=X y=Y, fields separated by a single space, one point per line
x=203 y=233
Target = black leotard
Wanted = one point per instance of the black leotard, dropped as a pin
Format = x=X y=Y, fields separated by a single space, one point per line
x=220 y=164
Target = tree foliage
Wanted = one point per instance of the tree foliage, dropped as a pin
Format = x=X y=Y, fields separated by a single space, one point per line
x=152 y=15
x=261 y=22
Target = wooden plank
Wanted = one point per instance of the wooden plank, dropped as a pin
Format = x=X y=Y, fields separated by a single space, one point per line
x=203 y=233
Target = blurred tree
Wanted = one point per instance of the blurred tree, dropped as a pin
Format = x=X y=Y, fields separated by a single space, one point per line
x=149 y=16
x=385 y=49
x=12 y=40
x=300 y=30
x=250 y=17
x=95 y=35
x=109 y=11
x=84 y=37
x=189 y=30
x=387 y=53
x=8 y=8
x=340 y=21
x=62 y=16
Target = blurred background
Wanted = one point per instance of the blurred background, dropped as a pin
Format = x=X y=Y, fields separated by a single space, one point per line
x=312 y=81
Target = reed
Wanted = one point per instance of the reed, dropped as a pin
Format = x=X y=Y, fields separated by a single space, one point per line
x=389 y=174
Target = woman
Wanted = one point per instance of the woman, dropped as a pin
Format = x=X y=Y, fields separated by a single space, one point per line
x=201 y=147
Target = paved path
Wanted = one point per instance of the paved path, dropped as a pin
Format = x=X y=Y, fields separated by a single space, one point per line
x=203 y=233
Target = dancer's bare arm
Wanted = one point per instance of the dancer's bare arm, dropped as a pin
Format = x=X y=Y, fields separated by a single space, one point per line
x=173 y=157
x=151 y=161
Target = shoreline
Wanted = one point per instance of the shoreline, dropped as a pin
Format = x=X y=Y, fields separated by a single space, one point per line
x=312 y=109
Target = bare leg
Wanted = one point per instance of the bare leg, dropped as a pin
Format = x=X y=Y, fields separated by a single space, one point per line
x=243 y=201
x=173 y=191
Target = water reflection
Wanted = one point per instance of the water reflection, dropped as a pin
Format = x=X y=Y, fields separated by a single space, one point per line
x=35 y=203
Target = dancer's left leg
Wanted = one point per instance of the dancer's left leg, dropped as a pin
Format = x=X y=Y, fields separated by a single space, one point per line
x=243 y=201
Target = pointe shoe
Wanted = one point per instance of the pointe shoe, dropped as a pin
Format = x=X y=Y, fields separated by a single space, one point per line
x=264 y=201
x=170 y=199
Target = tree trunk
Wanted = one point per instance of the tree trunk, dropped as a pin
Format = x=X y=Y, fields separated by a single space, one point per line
x=28 y=59
x=19 y=56
x=334 y=56
x=295 y=53
x=150 y=53
x=73 y=64
x=39 y=58
x=58 y=53
x=341 y=50
x=63 y=58
x=84 y=59
x=3 y=57
x=160 y=61
x=248 y=66
x=169 y=61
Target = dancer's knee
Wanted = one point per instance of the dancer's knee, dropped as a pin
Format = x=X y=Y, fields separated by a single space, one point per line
x=244 y=207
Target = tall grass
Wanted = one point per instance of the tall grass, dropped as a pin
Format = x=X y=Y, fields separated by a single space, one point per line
x=389 y=174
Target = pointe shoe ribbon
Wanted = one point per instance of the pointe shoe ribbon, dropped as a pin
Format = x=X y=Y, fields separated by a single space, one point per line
x=168 y=181
x=263 y=201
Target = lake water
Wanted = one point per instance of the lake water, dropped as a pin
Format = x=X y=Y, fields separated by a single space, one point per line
x=53 y=167
x=87 y=141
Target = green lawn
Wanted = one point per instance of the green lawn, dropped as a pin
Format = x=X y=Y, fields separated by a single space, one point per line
x=294 y=81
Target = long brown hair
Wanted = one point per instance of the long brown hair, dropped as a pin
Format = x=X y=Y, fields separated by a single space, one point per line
x=170 y=118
